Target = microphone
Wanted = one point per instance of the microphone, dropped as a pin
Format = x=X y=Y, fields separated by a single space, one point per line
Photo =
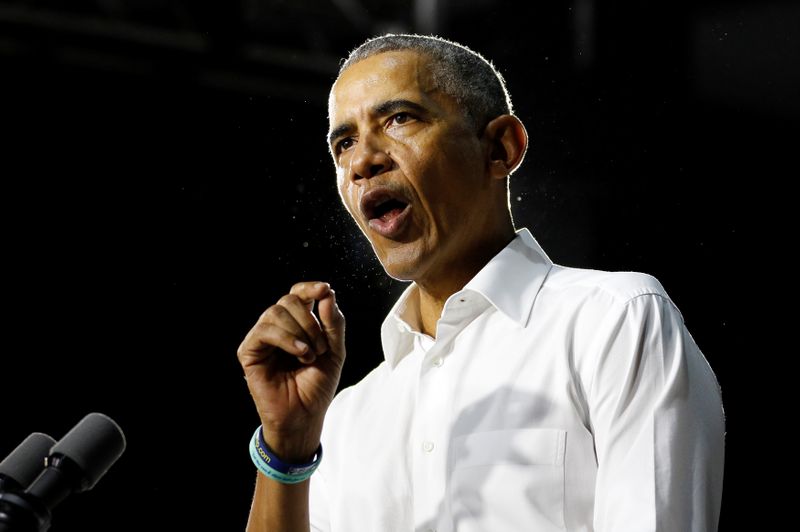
x=74 y=464
x=24 y=464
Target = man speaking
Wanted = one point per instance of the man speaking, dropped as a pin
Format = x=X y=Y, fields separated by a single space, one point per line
x=516 y=394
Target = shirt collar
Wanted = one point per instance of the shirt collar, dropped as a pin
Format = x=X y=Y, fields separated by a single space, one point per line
x=510 y=282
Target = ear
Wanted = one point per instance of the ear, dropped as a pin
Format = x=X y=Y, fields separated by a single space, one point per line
x=507 y=142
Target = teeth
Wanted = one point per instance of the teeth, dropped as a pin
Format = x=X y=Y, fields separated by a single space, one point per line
x=376 y=207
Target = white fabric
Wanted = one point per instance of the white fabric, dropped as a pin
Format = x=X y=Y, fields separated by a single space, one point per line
x=553 y=398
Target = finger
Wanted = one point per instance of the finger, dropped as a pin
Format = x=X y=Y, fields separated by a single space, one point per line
x=332 y=321
x=279 y=316
x=306 y=319
x=262 y=340
x=310 y=291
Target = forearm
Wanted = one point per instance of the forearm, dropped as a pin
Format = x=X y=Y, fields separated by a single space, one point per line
x=292 y=362
x=279 y=507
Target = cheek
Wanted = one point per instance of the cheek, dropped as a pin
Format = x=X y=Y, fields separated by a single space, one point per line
x=349 y=197
x=345 y=191
x=340 y=187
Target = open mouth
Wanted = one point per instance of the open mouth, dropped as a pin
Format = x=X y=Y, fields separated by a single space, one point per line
x=382 y=204
x=386 y=211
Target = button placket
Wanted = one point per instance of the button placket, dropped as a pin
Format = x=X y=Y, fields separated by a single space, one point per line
x=431 y=407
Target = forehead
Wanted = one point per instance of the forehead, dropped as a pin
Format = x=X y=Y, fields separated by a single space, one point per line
x=378 y=78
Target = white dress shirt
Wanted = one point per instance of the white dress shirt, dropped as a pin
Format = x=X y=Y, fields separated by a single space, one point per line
x=552 y=398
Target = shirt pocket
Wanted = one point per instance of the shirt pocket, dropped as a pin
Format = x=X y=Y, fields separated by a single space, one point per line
x=507 y=480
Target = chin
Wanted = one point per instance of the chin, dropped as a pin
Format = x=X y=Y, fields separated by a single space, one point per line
x=395 y=270
x=402 y=265
x=402 y=260
x=400 y=276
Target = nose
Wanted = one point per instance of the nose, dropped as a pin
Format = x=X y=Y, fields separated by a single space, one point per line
x=369 y=159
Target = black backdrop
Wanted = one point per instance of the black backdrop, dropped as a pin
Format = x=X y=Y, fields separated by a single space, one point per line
x=155 y=202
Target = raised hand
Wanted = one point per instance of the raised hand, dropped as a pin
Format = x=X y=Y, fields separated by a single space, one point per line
x=292 y=361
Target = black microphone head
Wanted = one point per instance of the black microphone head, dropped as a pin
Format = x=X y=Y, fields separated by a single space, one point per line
x=25 y=462
x=94 y=444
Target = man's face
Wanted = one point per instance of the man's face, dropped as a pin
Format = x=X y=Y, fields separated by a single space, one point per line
x=411 y=170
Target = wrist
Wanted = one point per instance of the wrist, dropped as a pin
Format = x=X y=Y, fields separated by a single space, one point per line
x=272 y=466
x=292 y=448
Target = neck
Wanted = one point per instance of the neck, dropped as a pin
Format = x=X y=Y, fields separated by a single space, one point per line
x=434 y=290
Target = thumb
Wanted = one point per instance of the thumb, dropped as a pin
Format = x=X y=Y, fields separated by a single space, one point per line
x=333 y=322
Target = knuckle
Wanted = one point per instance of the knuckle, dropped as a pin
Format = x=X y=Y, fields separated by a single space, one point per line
x=338 y=319
x=298 y=287
x=280 y=335
x=288 y=299
x=245 y=349
x=271 y=313
x=273 y=337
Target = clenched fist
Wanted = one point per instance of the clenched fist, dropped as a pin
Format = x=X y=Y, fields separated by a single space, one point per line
x=292 y=361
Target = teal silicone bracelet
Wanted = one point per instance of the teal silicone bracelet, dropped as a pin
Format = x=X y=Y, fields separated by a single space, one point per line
x=262 y=457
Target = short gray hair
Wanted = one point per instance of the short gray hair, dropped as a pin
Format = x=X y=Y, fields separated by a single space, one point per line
x=457 y=71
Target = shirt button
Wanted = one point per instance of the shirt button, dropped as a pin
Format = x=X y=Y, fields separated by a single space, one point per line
x=438 y=361
x=427 y=446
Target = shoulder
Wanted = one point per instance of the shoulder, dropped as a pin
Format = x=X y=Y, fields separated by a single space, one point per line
x=620 y=286
x=592 y=295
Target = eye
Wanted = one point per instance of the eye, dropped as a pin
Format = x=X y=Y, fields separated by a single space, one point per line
x=401 y=118
x=344 y=144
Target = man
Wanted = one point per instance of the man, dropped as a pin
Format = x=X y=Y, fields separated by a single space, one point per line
x=516 y=394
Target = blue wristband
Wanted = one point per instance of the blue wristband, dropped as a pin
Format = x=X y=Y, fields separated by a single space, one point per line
x=271 y=466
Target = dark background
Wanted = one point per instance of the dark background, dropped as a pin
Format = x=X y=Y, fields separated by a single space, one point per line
x=165 y=179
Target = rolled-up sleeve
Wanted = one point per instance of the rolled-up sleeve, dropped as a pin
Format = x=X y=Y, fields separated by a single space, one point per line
x=658 y=423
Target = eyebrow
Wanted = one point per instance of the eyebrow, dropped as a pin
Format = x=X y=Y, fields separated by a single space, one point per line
x=382 y=109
